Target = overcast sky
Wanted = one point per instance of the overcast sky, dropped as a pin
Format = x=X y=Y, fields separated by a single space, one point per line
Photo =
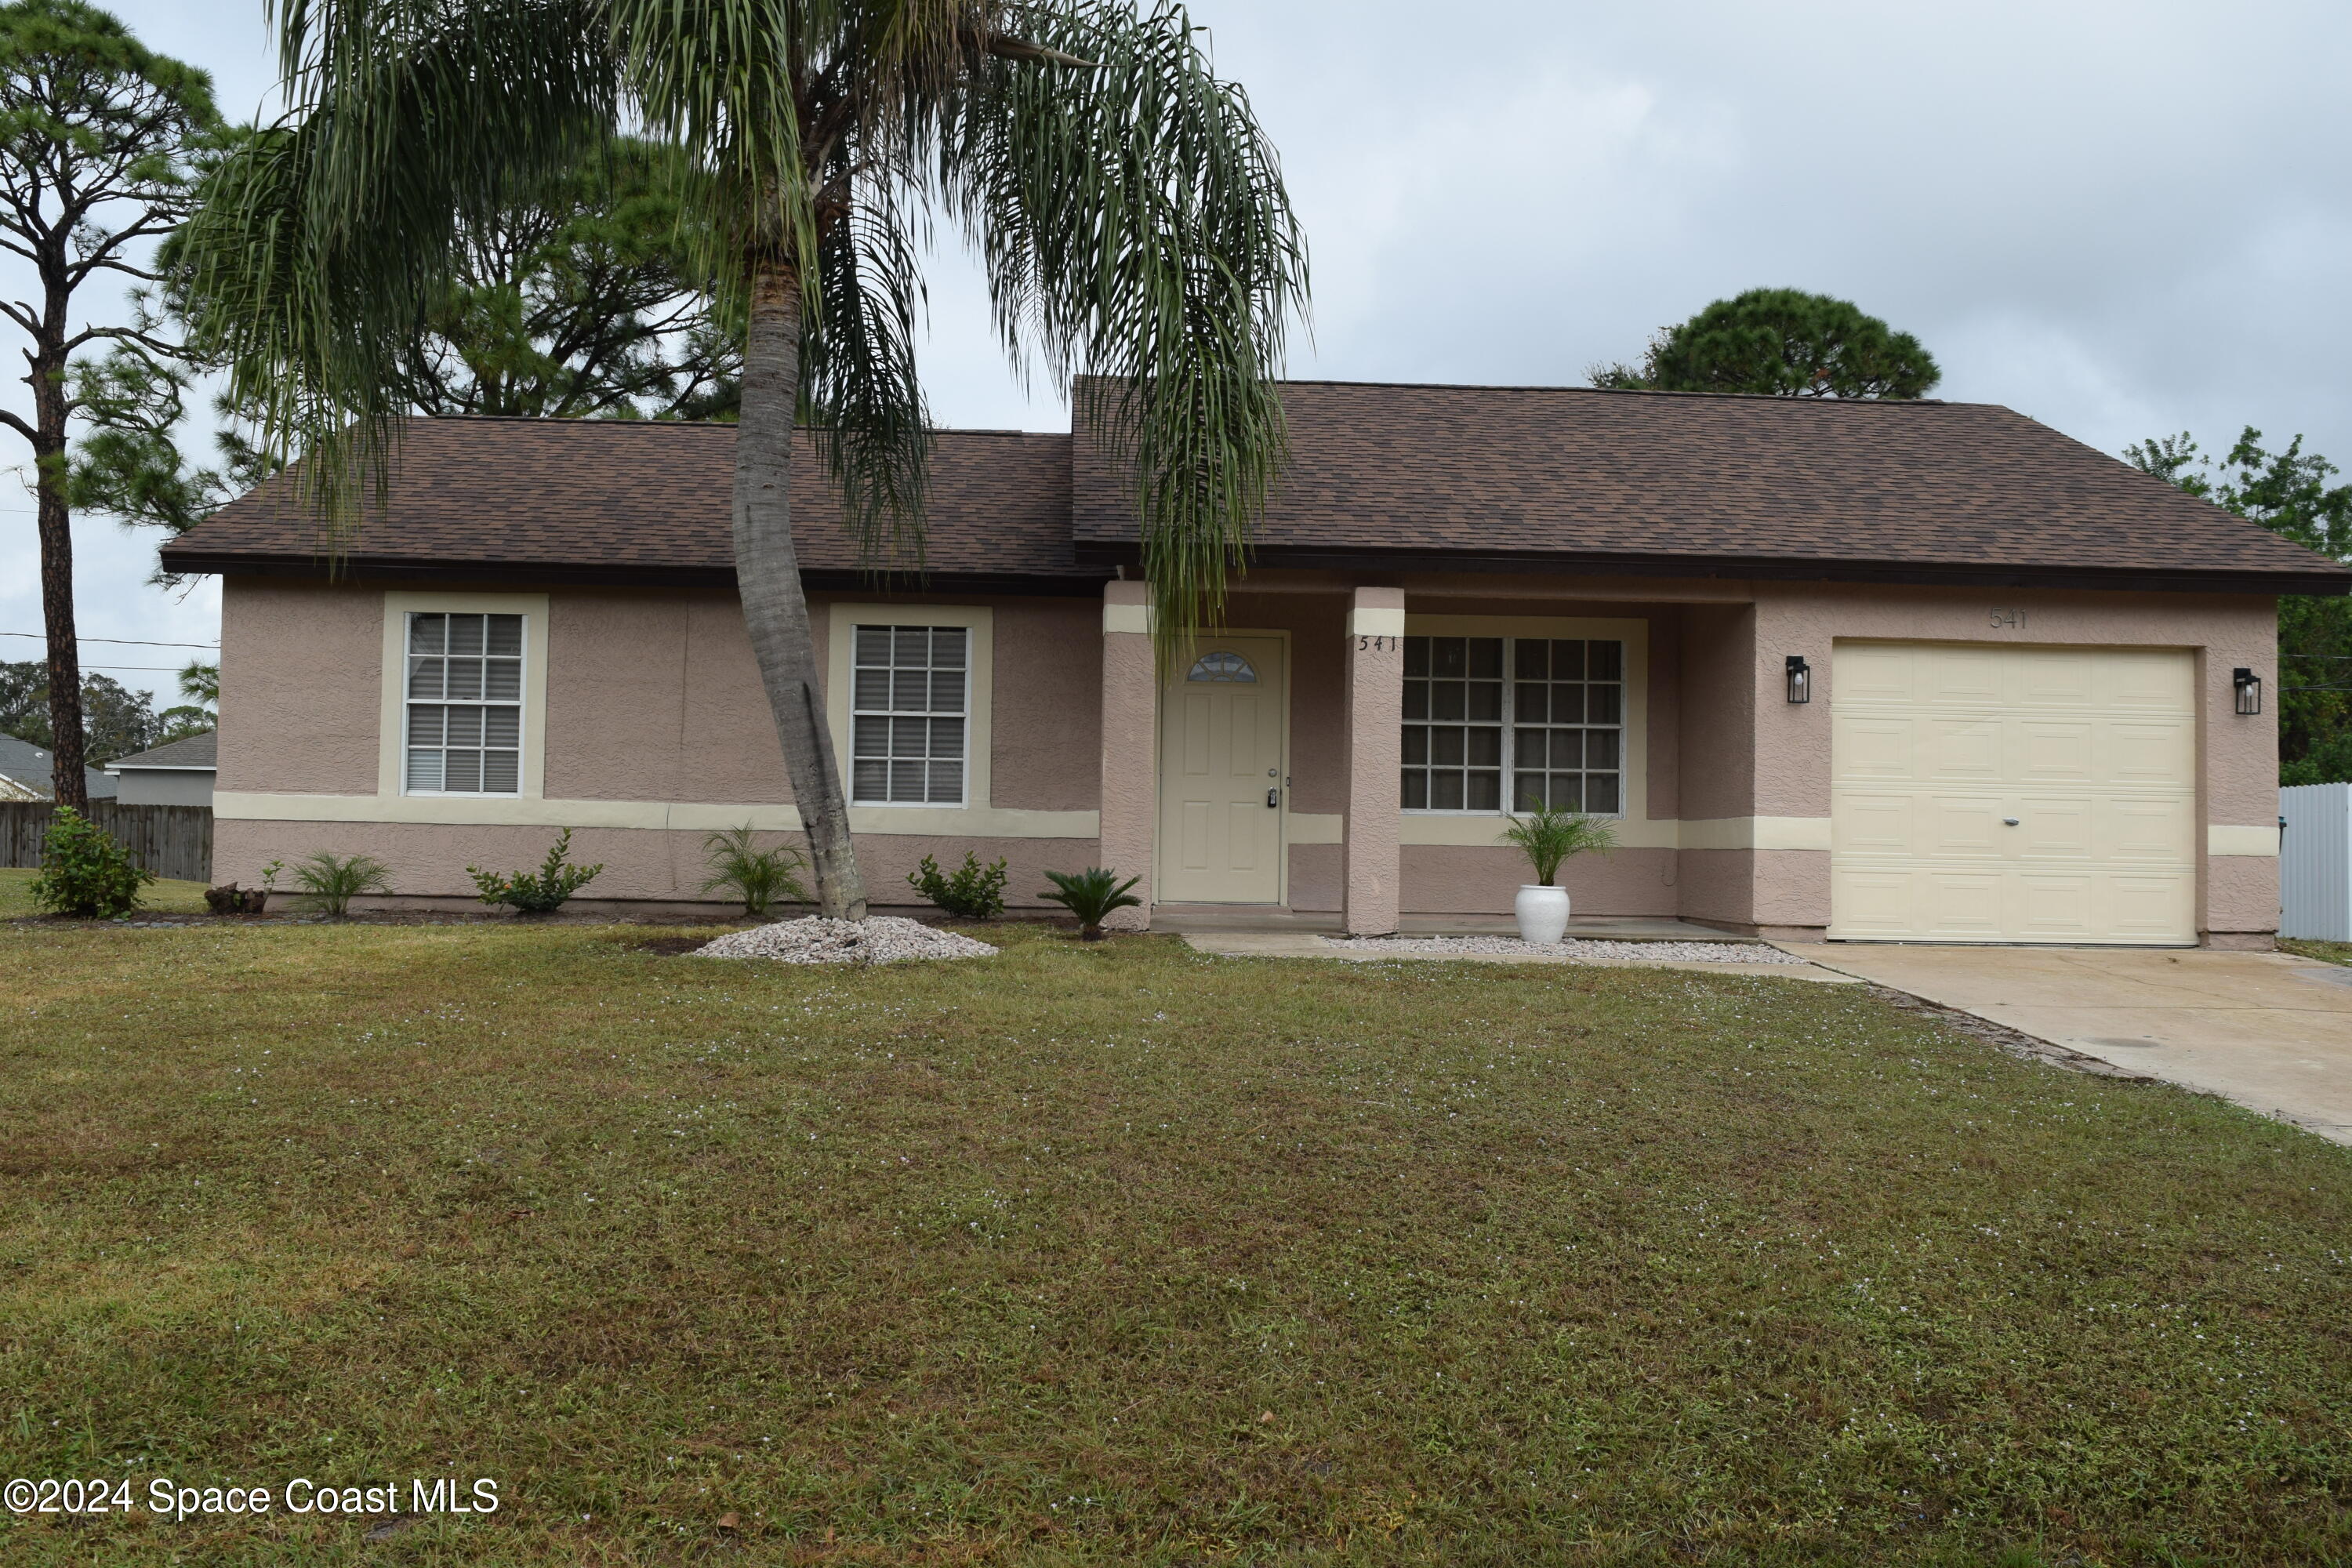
x=2121 y=219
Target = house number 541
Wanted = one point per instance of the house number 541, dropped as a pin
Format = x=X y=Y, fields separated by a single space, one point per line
x=1374 y=644
x=2010 y=618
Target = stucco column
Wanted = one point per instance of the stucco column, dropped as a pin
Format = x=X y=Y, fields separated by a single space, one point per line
x=1375 y=743
x=1130 y=729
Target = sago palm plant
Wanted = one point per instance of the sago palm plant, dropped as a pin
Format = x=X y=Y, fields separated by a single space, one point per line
x=1128 y=210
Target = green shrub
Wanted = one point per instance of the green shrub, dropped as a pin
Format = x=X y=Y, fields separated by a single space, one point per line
x=1550 y=836
x=758 y=877
x=541 y=892
x=975 y=892
x=1091 y=895
x=331 y=882
x=85 y=872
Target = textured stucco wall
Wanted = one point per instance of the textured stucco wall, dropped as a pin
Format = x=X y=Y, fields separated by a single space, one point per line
x=1128 y=762
x=301 y=685
x=1375 y=709
x=1443 y=878
x=1047 y=721
x=641 y=864
x=1315 y=878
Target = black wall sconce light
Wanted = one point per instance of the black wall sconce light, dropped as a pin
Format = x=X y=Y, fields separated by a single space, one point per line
x=2249 y=689
x=1801 y=679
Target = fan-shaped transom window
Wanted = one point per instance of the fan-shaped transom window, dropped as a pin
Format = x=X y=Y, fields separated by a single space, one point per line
x=1223 y=669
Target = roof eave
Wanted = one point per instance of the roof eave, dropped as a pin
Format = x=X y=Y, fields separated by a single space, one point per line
x=1769 y=568
x=1084 y=579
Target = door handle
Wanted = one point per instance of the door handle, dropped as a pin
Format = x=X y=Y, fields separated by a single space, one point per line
x=1272 y=798
x=2009 y=822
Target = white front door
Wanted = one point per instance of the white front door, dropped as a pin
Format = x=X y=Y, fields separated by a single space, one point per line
x=2014 y=794
x=1220 y=775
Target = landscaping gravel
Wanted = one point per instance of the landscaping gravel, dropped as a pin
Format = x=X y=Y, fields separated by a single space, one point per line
x=1656 y=952
x=812 y=938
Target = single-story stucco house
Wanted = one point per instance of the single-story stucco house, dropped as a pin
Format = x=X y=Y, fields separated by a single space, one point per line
x=1873 y=670
x=178 y=772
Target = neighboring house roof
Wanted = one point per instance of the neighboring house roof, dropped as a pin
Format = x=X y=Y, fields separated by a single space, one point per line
x=1381 y=476
x=34 y=769
x=191 y=753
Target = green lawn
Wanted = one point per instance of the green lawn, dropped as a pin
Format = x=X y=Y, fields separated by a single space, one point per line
x=2330 y=952
x=163 y=896
x=1122 y=1255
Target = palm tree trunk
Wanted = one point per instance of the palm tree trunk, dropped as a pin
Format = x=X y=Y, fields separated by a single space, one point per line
x=768 y=576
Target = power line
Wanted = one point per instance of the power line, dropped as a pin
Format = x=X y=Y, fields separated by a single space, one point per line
x=127 y=642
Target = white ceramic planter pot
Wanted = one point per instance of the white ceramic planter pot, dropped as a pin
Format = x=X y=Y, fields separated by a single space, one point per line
x=1543 y=914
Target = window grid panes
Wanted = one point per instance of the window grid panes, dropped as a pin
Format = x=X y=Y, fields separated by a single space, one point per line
x=464 y=705
x=908 y=687
x=1561 y=744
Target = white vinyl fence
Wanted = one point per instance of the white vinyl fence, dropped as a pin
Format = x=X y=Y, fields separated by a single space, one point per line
x=2315 y=862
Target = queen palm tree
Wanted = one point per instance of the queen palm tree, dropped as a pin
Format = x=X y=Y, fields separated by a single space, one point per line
x=1128 y=210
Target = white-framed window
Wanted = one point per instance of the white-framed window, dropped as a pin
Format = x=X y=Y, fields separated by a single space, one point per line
x=462 y=712
x=1546 y=714
x=910 y=709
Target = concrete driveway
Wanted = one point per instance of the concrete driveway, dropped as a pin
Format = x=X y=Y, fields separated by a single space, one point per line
x=2270 y=1031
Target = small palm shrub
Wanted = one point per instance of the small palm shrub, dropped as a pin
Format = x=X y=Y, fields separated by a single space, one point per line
x=973 y=892
x=1550 y=836
x=542 y=891
x=758 y=877
x=329 y=882
x=85 y=872
x=1091 y=895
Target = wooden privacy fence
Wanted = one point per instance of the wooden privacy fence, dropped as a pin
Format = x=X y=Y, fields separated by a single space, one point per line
x=169 y=840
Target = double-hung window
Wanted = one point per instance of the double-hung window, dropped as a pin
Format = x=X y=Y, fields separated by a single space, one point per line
x=1546 y=714
x=909 y=696
x=464 y=705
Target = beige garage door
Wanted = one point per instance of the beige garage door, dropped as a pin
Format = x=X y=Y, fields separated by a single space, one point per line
x=2013 y=793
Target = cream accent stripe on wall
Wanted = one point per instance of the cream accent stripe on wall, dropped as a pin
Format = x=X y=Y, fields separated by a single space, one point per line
x=701 y=816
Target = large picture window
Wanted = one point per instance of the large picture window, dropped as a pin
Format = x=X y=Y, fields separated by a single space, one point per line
x=910 y=693
x=1561 y=746
x=463 y=707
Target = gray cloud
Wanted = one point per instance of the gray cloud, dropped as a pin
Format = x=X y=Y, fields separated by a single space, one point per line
x=2122 y=220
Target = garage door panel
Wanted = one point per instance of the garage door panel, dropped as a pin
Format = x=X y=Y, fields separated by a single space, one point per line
x=2054 y=907
x=2153 y=907
x=1877 y=674
x=2058 y=679
x=2048 y=751
x=1875 y=748
x=2147 y=681
x=1962 y=750
x=2157 y=751
x=2057 y=827
x=1872 y=824
x=1874 y=903
x=1963 y=906
x=1964 y=828
x=1989 y=793
x=2145 y=832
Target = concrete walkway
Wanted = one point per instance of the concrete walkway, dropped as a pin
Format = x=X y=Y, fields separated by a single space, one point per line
x=2270 y=1031
x=1307 y=944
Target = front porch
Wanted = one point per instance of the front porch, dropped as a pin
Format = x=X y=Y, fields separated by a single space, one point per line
x=1337 y=759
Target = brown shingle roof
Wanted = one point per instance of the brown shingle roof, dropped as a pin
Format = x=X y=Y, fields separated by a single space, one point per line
x=621 y=501
x=1574 y=478
x=1478 y=478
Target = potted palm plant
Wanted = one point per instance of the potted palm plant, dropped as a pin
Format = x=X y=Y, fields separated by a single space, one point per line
x=1547 y=837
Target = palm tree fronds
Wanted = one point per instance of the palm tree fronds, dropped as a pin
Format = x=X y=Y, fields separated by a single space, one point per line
x=1133 y=223
x=861 y=396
